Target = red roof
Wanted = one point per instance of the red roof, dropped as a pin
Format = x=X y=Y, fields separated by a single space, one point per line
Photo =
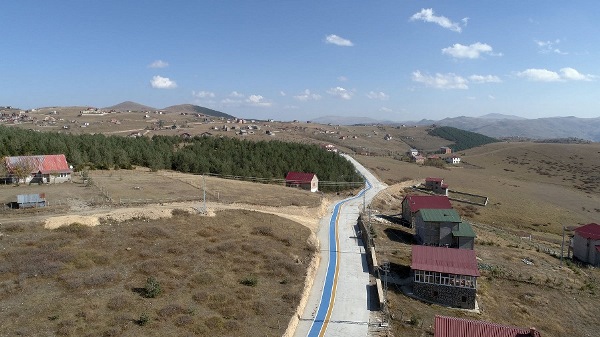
x=461 y=327
x=589 y=231
x=44 y=163
x=444 y=260
x=434 y=179
x=417 y=202
x=299 y=177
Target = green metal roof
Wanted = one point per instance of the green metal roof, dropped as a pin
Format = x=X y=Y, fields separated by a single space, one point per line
x=439 y=215
x=464 y=230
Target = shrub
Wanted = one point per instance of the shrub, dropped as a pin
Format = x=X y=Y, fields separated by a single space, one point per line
x=142 y=320
x=249 y=281
x=152 y=288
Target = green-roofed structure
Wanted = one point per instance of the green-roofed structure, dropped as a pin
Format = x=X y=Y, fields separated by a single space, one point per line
x=444 y=228
x=464 y=236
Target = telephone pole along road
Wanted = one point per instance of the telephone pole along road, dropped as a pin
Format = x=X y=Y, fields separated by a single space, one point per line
x=338 y=303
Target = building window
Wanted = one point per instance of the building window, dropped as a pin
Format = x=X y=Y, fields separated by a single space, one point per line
x=435 y=294
x=464 y=299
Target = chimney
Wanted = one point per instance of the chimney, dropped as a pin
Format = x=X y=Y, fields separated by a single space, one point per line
x=533 y=332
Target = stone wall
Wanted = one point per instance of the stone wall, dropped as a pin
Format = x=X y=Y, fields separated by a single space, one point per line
x=446 y=295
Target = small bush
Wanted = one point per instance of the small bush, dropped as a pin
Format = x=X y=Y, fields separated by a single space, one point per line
x=249 y=281
x=144 y=318
x=152 y=288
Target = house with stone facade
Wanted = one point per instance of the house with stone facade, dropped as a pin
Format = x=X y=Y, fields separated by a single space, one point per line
x=447 y=276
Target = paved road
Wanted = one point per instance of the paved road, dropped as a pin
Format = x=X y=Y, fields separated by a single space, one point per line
x=338 y=304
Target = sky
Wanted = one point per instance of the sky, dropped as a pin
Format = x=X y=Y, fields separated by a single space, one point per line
x=286 y=59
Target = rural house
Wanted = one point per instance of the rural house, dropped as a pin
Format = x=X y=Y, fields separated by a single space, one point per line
x=463 y=237
x=38 y=169
x=436 y=185
x=411 y=204
x=586 y=244
x=447 y=276
x=445 y=150
x=454 y=326
x=435 y=227
x=454 y=160
x=307 y=181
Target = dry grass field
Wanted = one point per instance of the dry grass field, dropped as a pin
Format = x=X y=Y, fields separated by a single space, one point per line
x=239 y=273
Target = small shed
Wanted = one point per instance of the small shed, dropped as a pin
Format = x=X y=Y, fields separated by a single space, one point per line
x=586 y=243
x=411 y=204
x=304 y=180
x=434 y=227
x=31 y=200
x=436 y=185
x=463 y=236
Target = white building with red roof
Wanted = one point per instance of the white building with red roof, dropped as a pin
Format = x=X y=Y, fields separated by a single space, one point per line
x=460 y=327
x=586 y=243
x=447 y=276
x=38 y=169
x=307 y=181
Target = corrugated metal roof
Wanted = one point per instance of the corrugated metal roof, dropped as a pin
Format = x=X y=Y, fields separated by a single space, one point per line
x=439 y=215
x=589 y=231
x=416 y=202
x=464 y=230
x=31 y=198
x=444 y=260
x=43 y=163
x=460 y=327
x=299 y=177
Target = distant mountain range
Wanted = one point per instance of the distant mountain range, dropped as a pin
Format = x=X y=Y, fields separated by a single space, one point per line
x=499 y=125
x=181 y=108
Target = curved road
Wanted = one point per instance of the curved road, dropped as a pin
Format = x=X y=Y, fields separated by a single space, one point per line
x=338 y=304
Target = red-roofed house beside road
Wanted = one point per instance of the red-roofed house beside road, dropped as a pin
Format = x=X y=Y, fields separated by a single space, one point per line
x=461 y=327
x=411 y=204
x=586 y=244
x=38 y=169
x=307 y=181
x=447 y=276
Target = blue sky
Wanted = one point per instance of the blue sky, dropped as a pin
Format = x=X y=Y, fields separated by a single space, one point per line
x=385 y=59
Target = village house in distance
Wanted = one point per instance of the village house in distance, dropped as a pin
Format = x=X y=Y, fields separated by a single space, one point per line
x=586 y=244
x=306 y=181
x=37 y=169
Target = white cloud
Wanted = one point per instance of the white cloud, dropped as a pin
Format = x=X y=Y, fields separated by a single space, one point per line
x=378 y=95
x=291 y=107
x=340 y=92
x=471 y=98
x=465 y=21
x=203 y=94
x=564 y=74
x=472 y=51
x=441 y=81
x=282 y=93
x=574 y=75
x=385 y=109
x=338 y=41
x=160 y=82
x=492 y=97
x=342 y=78
x=236 y=94
x=258 y=100
x=546 y=47
x=158 y=64
x=427 y=15
x=485 y=79
x=307 y=96
x=229 y=101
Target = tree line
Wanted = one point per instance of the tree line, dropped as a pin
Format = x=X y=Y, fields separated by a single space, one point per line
x=200 y=155
x=463 y=140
